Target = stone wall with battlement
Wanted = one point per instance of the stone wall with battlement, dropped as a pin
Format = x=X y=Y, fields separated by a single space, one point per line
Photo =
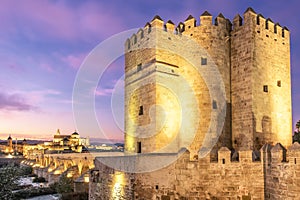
x=270 y=173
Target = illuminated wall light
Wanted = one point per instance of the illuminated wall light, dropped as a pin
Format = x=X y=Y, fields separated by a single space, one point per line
x=57 y=172
x=118 y=185
x=86 y=179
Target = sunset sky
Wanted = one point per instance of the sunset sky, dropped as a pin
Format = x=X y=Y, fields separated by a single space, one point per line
x=43 y=44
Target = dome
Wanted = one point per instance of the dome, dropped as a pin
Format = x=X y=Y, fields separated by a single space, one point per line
x=75 y=133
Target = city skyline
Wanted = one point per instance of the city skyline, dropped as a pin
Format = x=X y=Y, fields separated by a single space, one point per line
x=45 y=42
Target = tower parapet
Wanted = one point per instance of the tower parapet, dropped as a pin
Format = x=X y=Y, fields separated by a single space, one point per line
x=157 y=22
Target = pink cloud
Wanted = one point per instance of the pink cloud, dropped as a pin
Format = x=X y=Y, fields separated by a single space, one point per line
x=117 y=86
x=25 y=101
x=56 y=19
x=104 y=92
x=14 y=102
x=74 y=61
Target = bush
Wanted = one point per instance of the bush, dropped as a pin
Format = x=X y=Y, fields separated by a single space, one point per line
x=8 y=178
x=65 y=185
x=25 y=170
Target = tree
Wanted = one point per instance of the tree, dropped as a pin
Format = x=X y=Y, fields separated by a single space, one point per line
x=298 y=126
x=8 y=178
x=296 y=136
x=64 y=185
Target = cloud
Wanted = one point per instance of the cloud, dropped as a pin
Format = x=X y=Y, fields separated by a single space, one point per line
x=25 y=101
x=104 y=92
x=116 y=86
x=74 y=61
x=40 y=20
x=39 y=96
x=14 y=102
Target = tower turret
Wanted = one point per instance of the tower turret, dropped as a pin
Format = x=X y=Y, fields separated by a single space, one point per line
x=9 y=144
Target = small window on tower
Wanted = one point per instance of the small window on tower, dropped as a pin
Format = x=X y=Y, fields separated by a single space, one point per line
x=215 y=106
x=141 y=110
x=139 y=67
x=266 y=88
x=139 y=147
x=203 y=61
x=279 y=83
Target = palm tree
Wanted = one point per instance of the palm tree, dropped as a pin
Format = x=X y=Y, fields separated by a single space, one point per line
x=296 y=136
x=298 y=126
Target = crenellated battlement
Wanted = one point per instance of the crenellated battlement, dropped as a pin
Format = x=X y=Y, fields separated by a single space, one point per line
x=157 y=23
x=273 y=154
x=257 y=22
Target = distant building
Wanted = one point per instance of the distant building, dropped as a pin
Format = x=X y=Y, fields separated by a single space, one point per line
x=59 y=144
x=70 y=140
x=12 y=147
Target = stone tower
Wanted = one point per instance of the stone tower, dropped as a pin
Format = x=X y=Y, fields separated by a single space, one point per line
x=9 y=144
x=260 y=82
x=166 y=99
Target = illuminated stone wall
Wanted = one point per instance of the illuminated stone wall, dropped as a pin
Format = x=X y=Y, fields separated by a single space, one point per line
x=273 y=176
x=156 y=74
x=260 y=61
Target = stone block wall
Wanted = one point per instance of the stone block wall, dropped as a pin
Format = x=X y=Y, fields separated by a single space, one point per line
x=274 y=176
x=260 y=82
x=282 y=178
x=184 y=179
x=160 y=70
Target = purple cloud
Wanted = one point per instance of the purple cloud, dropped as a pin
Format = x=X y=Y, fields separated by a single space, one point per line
x=42 y=19
x=14 y=102
x=74 y=61
x=104 y=92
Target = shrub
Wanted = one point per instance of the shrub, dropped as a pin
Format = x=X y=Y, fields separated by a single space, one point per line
x=65 y=185
x=25 y=170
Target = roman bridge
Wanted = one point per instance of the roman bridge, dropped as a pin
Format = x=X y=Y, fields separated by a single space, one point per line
x=72 y=165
